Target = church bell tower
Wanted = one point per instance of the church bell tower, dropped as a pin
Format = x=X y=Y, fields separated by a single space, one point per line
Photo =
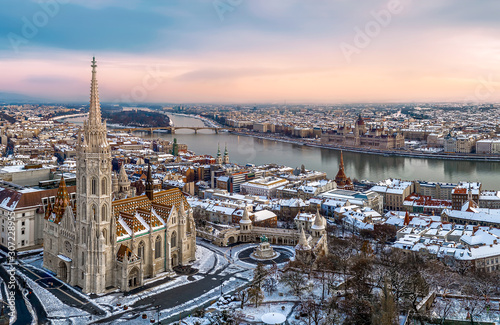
x=94 y=221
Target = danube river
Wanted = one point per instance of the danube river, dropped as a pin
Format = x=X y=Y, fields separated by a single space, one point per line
x=361 y=166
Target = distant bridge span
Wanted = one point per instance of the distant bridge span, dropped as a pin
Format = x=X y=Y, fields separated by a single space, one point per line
x=61 y=117
x=172 y=129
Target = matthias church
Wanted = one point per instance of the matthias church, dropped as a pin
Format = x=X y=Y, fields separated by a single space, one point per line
x=100 y=244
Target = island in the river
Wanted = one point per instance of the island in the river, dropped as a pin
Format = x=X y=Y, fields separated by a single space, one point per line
x=136 y=118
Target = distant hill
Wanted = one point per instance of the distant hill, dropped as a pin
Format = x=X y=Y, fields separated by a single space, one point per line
x=136 y=119
x=10 y=98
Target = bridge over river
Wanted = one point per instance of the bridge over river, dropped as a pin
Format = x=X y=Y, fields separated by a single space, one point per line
x=172 y=129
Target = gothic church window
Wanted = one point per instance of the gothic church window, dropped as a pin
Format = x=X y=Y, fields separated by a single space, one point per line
x=140 y=250
x=103 y=186
x=103 y=213
x=158 y=247
x=94 y=186
x=173 y=240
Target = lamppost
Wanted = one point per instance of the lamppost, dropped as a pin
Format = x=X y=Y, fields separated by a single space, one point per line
x=221 y=283
x=158 y=313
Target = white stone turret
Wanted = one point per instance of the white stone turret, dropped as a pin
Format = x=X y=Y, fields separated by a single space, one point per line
x=245 y=222
x=318 y=228
x=114 y=183
x=303 y=243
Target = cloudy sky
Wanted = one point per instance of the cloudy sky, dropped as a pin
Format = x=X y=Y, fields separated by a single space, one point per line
x=252 y=51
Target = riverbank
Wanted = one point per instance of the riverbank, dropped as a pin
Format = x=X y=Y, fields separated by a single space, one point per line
x=260 y=149
x=206 y=121
x=371 y=151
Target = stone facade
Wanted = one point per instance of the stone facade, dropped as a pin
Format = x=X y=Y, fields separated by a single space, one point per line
x=101 y=244
x=315 y=237
x=361 y=136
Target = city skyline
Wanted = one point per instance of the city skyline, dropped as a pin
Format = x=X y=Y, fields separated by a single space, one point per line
x=253 y=52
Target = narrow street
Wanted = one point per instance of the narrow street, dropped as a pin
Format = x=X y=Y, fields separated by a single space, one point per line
x=60 y=290
x=23 y=313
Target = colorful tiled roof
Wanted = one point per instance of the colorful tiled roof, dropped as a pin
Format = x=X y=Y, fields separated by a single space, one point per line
x=125 y=251
x=138 y=214
x=62 y=201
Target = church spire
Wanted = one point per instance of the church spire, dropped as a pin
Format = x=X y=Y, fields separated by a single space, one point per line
x=225 y=160
x=341 y=165
x=149 y=183
x=94 y=130
x=407 y=219
x=95 y=106
x=62 y=200
x=218 y=160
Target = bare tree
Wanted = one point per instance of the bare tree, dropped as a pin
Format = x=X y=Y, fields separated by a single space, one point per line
x=443 y=308
x=385 y=310
x=295 y=281
x=313 y=311
x=473 y=302
x=243 y=296
x=259 y=275
x=255 y=295
x=270 y=284
x=342 y=251
x=326 y=267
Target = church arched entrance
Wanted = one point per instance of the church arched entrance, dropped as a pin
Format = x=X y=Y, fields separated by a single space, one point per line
x=231 y=240
x=63 y=271
x=133 y=278
x=174 y=260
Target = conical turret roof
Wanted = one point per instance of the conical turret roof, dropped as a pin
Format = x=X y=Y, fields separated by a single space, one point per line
x=318 y=222
x=123 y=175
x=303 y=243
x=246 y=217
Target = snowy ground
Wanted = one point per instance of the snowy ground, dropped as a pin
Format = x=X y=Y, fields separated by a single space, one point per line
x=208 y=263
x=118 y=297
x=232 y=252
x=280 y=301
x=458 y=312
x=213 y=294
x=36 y=261
x=58 y=312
